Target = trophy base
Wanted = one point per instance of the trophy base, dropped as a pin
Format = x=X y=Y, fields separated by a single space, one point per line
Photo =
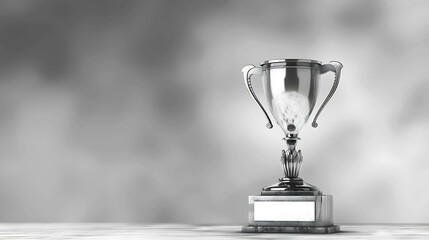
x=291 y=214
x=275 y=229
x=291 y=187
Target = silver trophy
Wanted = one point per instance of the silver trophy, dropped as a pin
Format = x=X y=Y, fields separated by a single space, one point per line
x=291 y=205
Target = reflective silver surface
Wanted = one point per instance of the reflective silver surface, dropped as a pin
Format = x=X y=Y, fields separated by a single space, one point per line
x=336 y=68
x=291 y=62
x=291 y=93
x=291 y=89
x=291 y=162
x=248 y=71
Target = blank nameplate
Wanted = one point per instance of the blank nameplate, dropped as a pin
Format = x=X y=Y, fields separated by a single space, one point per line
x=284 y=211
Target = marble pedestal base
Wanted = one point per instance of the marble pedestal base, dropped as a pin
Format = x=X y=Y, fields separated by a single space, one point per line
x=293 y=214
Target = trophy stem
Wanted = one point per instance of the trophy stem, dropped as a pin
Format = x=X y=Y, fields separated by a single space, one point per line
x=291 y=158
x=291 y=183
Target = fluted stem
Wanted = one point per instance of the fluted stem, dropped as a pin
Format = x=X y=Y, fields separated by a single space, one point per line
x=291 y=161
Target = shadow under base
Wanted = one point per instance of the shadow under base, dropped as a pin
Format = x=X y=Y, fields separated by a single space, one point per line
x=277 y=229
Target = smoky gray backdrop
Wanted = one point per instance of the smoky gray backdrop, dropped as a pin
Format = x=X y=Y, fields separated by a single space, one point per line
x=136 y=111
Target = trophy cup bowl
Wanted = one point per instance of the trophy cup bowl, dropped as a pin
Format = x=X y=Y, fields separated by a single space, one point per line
x=291 y=89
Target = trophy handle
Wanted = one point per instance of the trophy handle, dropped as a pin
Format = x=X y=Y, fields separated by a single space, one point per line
x=248 y=71
x=335 y=67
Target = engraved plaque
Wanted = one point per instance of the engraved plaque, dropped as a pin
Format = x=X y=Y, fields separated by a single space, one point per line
x=284 y=211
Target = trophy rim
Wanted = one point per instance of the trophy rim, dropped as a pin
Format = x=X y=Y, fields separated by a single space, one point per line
x=292 y=62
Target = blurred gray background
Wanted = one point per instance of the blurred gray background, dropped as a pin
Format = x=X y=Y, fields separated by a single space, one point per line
x=136 y=111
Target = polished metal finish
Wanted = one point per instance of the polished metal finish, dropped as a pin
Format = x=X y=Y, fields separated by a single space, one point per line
x=248 y=71
x=291 y=61
x=291 y=161
x=291 y=89
x=279 y=63
x=291 y=187
x=336 y=68
x=291 y=184
x=291 y=94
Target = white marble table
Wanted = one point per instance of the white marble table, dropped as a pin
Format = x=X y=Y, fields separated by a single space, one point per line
x=178 y=231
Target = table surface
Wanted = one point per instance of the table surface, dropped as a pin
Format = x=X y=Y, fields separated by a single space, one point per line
x=178 y=231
